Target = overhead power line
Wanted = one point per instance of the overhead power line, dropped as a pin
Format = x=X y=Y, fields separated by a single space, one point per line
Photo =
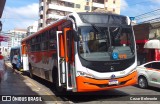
x=148 y=14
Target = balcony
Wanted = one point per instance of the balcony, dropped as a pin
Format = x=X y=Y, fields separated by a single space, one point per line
x=98 y=5
x=61 y=8
x=51 y=20
x=41 y=4
x=41 y=12
x=55 y=16
x=71 y=1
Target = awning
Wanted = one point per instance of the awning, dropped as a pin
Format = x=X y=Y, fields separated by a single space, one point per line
x=3 y=38
x=152 y=44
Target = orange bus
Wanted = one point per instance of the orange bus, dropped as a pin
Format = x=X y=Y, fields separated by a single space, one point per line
x=83 y=52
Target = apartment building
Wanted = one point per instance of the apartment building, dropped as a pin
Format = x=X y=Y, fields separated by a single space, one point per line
x=2 y=4
x=16 y=36
x=52 y=10
x=32 y=29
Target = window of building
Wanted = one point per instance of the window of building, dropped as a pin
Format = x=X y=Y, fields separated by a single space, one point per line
x=78 y=6
x=94 y=8
x=114 y=1
x=99 y=1
x=41 y=16
x=87 y=3
x=114 y=10
x=41 y=8
x=87 y=8
x=95 y=1
x=40 y=25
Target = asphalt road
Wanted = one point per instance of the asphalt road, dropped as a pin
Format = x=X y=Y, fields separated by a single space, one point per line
x=21 y=84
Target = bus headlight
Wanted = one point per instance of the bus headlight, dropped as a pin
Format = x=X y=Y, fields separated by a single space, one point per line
x=80 y=73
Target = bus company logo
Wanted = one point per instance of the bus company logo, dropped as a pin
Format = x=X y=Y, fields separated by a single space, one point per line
x=113 y=76
x=112 y=68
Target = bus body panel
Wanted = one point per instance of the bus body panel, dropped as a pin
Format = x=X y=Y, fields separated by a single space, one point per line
x=42 y=63
x=88 y=84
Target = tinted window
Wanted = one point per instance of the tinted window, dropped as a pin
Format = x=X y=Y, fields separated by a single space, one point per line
x=103 y=18
x=52 y=39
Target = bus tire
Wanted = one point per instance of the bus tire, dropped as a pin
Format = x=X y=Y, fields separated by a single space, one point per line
x=30 y=71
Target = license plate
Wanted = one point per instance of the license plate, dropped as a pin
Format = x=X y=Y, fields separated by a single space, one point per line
x=113 y=82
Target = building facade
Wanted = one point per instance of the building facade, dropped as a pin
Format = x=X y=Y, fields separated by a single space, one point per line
x=32 y=29
x=2 y=4
x=16 y=36
x=143 y=34
x=52 y=10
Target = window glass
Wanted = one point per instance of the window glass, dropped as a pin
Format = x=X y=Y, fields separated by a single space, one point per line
x=44 y=45
x=37 y=48
x=33 y=48
x=52 y=39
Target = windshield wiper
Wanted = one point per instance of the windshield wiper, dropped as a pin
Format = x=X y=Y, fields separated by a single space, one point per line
x=97 y=28
x=93 y=25
x=119 y=32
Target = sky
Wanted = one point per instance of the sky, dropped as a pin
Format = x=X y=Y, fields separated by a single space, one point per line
x=22 y=13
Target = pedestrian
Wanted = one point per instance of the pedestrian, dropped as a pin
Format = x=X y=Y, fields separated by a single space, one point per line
x=2 y=67
x=14 y=62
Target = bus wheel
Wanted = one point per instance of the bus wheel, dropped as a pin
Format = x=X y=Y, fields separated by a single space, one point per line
x=30 y=71
x=142 y=82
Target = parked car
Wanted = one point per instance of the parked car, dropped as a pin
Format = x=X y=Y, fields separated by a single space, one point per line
x=149 y=74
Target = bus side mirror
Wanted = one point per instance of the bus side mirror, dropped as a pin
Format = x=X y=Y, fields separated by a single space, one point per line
x=74 y=34
x=70 y=37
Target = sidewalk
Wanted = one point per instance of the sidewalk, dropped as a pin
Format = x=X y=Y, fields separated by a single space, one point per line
x=15 y=84
x=2 y=68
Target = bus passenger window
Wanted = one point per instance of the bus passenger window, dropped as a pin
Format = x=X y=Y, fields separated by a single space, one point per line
x=52 y=39
x=44 y=45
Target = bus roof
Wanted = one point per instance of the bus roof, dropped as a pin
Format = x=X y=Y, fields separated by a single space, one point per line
x=44 y=29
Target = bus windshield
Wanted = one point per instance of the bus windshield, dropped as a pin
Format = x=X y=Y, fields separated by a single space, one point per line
x=99 y=43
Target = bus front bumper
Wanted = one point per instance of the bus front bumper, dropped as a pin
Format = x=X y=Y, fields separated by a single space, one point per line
x=85 y=84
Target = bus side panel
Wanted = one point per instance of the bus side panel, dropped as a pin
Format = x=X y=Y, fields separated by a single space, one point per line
x=35 y=62
x=43 y=63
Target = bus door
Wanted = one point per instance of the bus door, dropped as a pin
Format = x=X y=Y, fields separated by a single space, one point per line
x=25 y=58
x=65 y=53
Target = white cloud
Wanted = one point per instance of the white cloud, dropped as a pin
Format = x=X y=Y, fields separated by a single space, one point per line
x=155 y=1
x=124 y=5
x=20 y=17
